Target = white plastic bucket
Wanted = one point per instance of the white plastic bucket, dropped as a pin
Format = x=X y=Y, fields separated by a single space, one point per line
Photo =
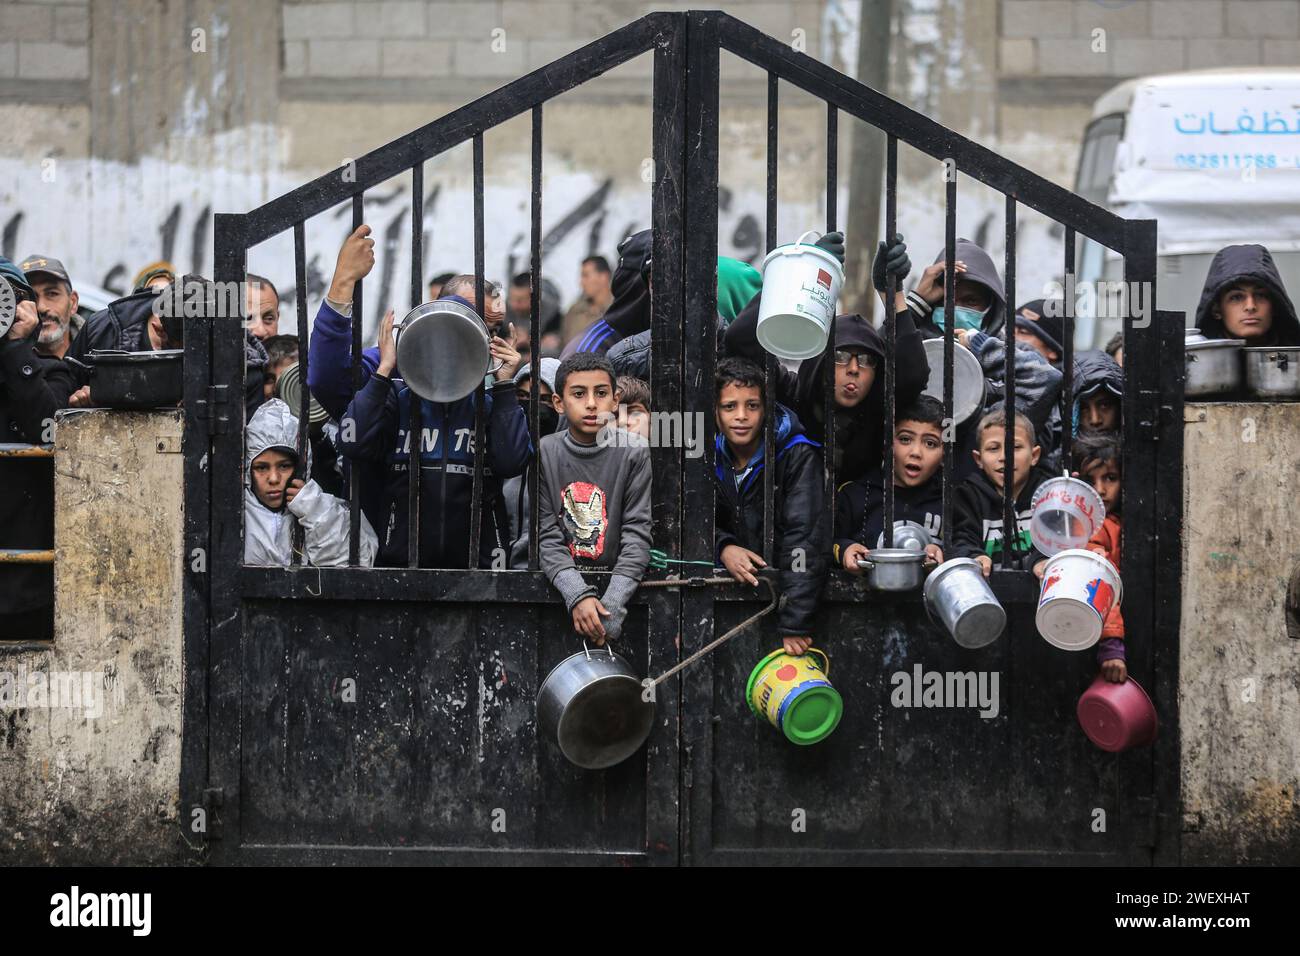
x=1066 y=514
x=1079 y=589
x=801 y=283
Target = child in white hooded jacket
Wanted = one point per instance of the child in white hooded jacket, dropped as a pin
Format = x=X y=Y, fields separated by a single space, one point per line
x=276 y=492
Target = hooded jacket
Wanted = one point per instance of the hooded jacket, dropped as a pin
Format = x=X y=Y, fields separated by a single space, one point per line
x=381 y=412
x=979 y=268
x=977 y=520
x=858 y=431
x=860 y=510
x=797 y=510
x=1255 y=263
x=268 y=535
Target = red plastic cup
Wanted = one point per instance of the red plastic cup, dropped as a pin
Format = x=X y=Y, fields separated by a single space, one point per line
x=1117 y=716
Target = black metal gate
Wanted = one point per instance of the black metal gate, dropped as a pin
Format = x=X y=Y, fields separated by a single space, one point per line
x=355 y=714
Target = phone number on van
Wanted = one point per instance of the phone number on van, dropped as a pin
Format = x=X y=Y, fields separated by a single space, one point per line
x=1233 y=161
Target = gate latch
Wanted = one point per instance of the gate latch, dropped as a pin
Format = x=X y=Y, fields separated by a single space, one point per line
x=213 y=409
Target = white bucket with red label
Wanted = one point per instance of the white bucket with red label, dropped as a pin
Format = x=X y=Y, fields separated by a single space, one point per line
x=801 y=283
x=1079 y=589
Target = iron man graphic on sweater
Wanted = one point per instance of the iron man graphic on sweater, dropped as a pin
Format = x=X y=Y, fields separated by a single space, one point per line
x=585 y=520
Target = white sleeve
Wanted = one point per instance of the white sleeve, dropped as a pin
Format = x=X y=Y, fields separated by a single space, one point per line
x=324 y=518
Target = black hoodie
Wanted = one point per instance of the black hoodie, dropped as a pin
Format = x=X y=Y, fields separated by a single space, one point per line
x=1254 y=263
x=860 y=510
x=979 y=268
x=860 y=431
x=977 y=520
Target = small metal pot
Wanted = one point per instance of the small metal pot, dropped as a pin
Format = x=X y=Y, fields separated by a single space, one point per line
x=1273 y=373
x=1213 y=366
x=958 y=598
x=591 y=705
x=893 y=569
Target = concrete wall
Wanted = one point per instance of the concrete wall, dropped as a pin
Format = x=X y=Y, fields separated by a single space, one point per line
x=90 y=770
x=1240 y=671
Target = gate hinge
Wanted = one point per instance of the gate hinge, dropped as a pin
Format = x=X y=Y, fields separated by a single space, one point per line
x=214 y=798
x=212 y=409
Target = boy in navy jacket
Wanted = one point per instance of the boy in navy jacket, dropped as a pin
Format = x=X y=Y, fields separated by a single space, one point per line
x=375 y=428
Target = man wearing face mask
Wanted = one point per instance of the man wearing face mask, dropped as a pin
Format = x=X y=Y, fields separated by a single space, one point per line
x=979 y=300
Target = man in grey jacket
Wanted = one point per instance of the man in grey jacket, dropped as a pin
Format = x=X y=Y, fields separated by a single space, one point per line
x=593 y=499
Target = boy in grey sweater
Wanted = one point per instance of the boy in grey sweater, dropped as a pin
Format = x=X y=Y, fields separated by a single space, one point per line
x=594 y=499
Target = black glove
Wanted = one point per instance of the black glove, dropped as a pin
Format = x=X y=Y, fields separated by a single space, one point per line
x=832 y=242
x=891 y=260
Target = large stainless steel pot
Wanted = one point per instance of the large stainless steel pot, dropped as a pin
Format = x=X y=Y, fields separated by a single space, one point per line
x=1213 y=366
x=893 y=569
x=442 y=350
x=591 y=703
x=958 y=597
x=1273 y=373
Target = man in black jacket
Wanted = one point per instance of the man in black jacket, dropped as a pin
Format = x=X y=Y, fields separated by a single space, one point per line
x=798 y=547
x=32 y=388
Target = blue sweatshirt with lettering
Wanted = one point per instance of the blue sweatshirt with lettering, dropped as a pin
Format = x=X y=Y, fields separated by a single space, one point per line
x=381 y=434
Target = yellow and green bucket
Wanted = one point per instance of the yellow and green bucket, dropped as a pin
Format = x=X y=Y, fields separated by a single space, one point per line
x=795 y=696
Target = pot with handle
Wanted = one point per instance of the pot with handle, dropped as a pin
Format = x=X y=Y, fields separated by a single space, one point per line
x=959 y=598
x=1273 y=373
x=1213 y=366
x=443 y=350
x=135 y=380
x=893 y=569
x=593 y=705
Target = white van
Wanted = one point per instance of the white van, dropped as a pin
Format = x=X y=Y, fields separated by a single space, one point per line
x=1214 y=157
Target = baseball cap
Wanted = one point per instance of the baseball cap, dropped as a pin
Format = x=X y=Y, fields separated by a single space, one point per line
x=34 y=265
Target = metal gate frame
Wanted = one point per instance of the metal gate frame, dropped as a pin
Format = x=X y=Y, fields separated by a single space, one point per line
x=686 y=49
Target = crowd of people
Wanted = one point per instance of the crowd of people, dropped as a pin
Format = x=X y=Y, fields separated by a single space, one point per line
x=590 y=368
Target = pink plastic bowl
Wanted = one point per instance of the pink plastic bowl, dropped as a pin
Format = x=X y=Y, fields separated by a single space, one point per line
x=1117 y=716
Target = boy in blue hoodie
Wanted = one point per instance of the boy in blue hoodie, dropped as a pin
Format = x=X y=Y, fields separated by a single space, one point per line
x=379 y=417
x=798 y=545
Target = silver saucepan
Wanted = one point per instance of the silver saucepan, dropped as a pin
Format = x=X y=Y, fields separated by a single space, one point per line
x=592 y=705
x=443 y=350
x=1213 y=366
x=1273 y=373
x=893 y=569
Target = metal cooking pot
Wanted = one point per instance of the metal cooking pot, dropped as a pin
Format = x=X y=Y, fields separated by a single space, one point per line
x=910 y=535
x=591 y=704
x=135 y=380
x=1213 y=366
x=1273 y=373
x=442 y=350
x=289 y=387
x=958 y=597
x=893 y=569
x=968 y=382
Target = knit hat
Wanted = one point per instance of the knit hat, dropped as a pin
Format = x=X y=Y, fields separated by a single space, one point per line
x=549 y=367
x=14 y=275
x=1049 y=329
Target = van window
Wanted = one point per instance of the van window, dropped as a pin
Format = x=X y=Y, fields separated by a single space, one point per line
x=1097 y=160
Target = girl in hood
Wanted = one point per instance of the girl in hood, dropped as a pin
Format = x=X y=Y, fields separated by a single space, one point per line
x=1244 y=298
x=277 y=491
